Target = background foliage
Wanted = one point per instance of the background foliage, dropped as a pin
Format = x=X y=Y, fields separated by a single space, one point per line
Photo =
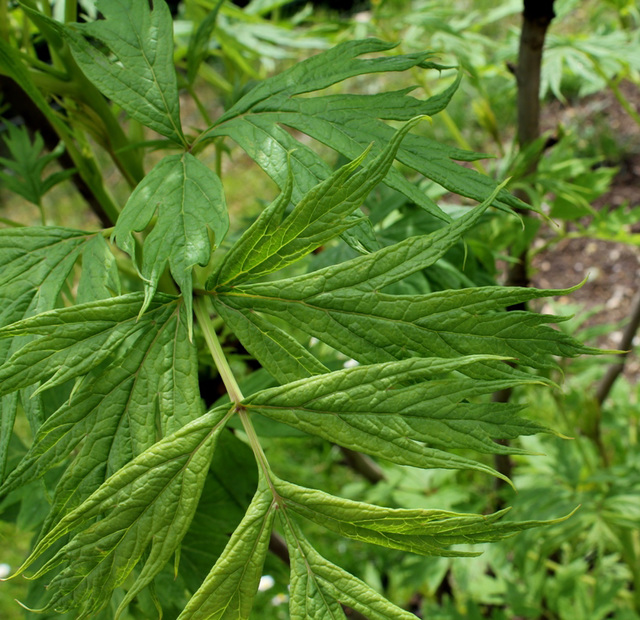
x=584 y=567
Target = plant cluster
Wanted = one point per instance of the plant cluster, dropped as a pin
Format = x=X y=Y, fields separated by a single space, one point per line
x=149 y=492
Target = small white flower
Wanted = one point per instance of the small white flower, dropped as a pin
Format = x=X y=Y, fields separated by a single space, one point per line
x=5 y=570
x=266 y=583
x=279 y=599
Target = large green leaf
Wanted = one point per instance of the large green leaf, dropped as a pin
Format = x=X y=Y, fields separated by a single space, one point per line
x=146 y=505
x=375 y=327
x=134 y=68
x=400 y=411
x=188 y=199
x=147 y=385
x=228 y=591
x=347 y=124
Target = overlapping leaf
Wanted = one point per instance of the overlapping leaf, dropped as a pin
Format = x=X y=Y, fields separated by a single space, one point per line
x=275 y=241
x=137 y=375
x=426 y=532
x=399 y=410
x=342 y=306
x=346 y=123
x=188 y=199
x=34 y=264
x=318 y=587
x=229 y=589
x=136 y=71
x=147 y=503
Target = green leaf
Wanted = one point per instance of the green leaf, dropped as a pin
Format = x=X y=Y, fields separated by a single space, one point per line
x=422 y=531
x=148 y=385
x=135 y=66
x=75 y=340
x=229 y=589
x=272 y=242
x=199 y=42
x=230 y=486
x=99 y=278
x=147 y=503
x=318 y=586
x=34 y=264
x=278 y=352
x=347 y=124
x=372 y=327
x=189 y=202
x=397 y=410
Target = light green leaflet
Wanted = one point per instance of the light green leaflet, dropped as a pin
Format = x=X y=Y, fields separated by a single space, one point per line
x=34 y=264
x=150 y=501
x=188 y=200
x=426 y=532
x=275 y=241
x=318 y=586
x=141 y=78
x=228 y=591
x=396 y=410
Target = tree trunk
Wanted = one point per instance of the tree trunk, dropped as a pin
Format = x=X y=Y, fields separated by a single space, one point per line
x=536 y=17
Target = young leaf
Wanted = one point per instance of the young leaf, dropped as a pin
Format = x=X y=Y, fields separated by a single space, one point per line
x=229 y=589
x=149 y=502
x=140 y=77
x=28 y=164
x=272 y=243
x=391 y=410
x=189 y=202
x=199 y=42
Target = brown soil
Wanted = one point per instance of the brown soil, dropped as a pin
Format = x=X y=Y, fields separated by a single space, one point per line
x=613 y=268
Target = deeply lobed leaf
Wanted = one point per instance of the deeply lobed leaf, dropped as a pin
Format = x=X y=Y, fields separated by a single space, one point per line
x=189 y=202
x=140 y=76
x=150 y=501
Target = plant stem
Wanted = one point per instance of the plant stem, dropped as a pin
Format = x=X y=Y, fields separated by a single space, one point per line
x=202 y=314
x=230 y=383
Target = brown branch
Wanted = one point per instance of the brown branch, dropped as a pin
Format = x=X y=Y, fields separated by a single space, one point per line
x=626 y=344
x=363 y=465
x=536 y=17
